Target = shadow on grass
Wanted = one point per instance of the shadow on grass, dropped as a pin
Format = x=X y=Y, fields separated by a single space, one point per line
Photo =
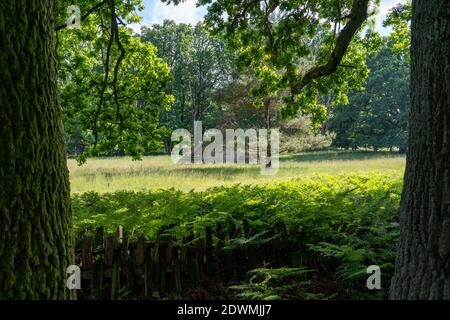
x=220 y=170
x=338 y=155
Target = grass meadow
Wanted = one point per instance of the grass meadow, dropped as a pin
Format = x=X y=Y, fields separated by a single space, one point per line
x=158 y=172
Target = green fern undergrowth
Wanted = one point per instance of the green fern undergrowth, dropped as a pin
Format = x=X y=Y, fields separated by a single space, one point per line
x=333 y=227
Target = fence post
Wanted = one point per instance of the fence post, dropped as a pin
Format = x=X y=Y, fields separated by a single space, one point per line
x=148 y=274
x=115 y=280
x=86 y=253
x=209 y=252
x=176 y=270
x=156 y=262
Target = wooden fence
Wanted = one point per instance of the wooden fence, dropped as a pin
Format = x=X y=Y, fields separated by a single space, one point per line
x=113 y=267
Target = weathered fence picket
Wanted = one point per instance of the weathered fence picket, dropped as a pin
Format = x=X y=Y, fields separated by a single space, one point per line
x=121 y=267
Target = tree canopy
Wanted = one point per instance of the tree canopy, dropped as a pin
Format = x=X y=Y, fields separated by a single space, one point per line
x=306 y=48
x=377 y=116
x=113 y=86
x=200 y=63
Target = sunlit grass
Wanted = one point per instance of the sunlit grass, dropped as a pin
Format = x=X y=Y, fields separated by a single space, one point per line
x=155 y=172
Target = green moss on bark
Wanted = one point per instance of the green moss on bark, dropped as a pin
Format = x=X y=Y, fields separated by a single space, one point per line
x=36 y=243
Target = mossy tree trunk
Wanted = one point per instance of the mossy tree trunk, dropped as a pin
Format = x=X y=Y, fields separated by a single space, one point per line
x=423 y=258
x=35 y=215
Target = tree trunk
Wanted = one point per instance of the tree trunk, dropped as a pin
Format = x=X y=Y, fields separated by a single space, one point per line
x=267 y=125
x=327 y=100
x=36 y=243
x=423 y=265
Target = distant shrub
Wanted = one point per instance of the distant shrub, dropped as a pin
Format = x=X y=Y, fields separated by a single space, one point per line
x=297 y=135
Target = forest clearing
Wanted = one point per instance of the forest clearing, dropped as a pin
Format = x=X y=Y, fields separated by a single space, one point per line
x=158 y=172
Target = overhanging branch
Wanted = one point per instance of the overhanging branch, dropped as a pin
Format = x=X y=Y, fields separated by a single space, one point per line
x=357 y=15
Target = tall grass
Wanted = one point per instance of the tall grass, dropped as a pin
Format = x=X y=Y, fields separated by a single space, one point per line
x=158 y=172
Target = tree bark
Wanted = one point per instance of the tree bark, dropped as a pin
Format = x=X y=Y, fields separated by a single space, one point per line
x=36 y=243
x=422 y=266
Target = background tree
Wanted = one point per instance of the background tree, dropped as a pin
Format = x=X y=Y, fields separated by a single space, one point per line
x=174 y=44
x=112 y=86
x=399 y=19
x=129 y=121
x=200 y=63
x=377 y=116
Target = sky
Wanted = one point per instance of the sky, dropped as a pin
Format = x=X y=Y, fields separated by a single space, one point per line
x=156 y=12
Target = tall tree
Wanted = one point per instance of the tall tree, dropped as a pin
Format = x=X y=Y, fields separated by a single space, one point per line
x=174 y=43
x=130 y=105
x=423 y=258
x=199 y=63
x=36 y=243
x=399 y=19
x=112 y=85
x=376 y=117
